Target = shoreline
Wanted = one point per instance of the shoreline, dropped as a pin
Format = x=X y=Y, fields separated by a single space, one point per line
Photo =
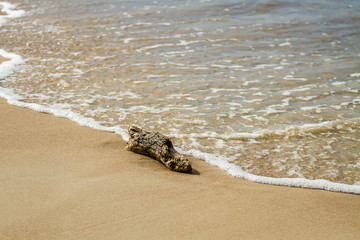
x=62 y=180
x=313 y=182
x=228 y=167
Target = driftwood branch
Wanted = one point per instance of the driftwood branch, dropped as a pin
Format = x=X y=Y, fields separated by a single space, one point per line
x=157 y=146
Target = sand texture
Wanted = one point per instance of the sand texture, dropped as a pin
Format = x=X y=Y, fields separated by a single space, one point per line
x=59 y=180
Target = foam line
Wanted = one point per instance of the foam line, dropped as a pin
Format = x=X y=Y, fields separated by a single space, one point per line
x=14 y=99
x=7 y=67
x=219 y=162
x=237 y=171
x=287 y=131
x=8 y=8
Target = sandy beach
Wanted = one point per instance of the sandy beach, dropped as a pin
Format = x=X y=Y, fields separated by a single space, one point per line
x=60 y=180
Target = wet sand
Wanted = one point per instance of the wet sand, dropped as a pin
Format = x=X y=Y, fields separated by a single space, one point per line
x=2 y=59
x=60 y=180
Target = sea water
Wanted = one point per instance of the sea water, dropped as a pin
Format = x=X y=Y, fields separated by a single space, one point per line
x=266 y=90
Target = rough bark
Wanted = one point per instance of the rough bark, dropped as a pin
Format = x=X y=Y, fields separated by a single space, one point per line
x=158 y=146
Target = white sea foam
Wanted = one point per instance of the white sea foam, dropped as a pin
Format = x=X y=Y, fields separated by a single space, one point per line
x=127 y=40
x=300 y=89
x=156 y=46
x=9 y=9
x=355 y=75
x=284 y=44
x=237 y=171
x=14 y=99
x=278 y=68
x=308 y=108
x=338 y=83
x=185 y=43
x=286 y=131
x=291 y=77
x=262 y=66
x=7 y=67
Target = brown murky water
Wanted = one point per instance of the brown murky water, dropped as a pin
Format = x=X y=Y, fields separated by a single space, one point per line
x=271 y=87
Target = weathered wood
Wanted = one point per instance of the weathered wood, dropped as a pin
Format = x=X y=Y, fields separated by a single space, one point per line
x=157 y=146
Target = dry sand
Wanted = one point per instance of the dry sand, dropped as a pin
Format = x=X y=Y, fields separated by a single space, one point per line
x=59 y=180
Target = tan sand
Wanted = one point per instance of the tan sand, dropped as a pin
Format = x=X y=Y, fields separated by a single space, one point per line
x=59 y=180
x=2 y=59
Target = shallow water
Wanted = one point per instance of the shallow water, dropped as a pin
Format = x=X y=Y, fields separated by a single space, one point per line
x=271 y=87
